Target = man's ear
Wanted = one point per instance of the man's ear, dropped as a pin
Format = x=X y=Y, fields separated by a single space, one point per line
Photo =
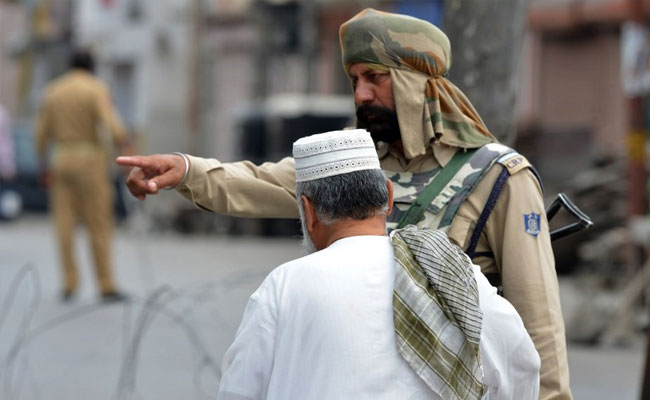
x=389 y=186
x=311 y=218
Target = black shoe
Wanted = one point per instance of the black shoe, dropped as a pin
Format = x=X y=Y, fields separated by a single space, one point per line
x=67 y=295
x=114 y=297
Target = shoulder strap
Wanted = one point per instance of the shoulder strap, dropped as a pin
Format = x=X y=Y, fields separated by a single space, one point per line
x=433 y=189
x=487 y=210
x=511 y=163
x=493 y=278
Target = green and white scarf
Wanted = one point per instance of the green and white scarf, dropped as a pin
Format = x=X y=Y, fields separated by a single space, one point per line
x=436 y=313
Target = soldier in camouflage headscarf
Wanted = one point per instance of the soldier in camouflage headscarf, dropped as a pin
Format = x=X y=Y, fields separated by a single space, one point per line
x=418 y=55
x=433 y=114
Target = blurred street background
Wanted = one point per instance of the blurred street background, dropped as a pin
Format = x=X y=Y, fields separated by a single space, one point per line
x=565 y=82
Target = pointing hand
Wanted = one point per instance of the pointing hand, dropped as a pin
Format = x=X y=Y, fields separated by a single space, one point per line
x=152 y=173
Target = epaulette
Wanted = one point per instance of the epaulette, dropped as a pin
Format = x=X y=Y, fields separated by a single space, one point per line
x=514 y=162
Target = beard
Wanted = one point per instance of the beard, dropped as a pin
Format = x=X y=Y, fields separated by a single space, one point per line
x=307 y=244
x=381 y=122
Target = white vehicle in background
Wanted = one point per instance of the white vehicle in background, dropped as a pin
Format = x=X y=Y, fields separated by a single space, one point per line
x=11 y=204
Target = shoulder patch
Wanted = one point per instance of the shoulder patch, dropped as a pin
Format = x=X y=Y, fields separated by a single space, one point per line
x=514 y=162
x=532 y=224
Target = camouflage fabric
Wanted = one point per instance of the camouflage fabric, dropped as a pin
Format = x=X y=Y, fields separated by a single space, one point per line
x=407 y=187
x=418 y=55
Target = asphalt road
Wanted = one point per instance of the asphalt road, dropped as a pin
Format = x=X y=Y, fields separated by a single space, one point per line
x=187 y=293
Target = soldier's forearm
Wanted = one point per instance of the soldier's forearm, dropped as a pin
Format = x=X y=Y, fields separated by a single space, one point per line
x=242 y=189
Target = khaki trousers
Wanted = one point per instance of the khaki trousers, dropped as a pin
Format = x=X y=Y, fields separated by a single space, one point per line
x=81 y=188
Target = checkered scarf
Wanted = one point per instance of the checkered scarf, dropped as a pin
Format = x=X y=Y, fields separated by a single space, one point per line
x=436 y=313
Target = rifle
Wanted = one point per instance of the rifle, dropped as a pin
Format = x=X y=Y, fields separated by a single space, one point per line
x=584 y=222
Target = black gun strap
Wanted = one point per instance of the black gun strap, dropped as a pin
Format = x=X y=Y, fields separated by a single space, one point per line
x=495 y=277
x=487 y=210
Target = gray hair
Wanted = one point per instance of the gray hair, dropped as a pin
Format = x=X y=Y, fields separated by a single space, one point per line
x=355 y=195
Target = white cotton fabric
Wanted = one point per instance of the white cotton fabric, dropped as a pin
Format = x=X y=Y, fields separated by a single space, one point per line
x=334 y=153
x=321 y=327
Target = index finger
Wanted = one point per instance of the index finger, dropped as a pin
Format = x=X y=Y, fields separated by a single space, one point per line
x=135 y=161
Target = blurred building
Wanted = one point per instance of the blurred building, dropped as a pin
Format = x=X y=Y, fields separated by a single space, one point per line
x=12 y=19
x=573 y=103
x=582 y=122
x=34 y=41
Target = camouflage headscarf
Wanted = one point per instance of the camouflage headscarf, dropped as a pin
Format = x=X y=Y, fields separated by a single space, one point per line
x=418 y=56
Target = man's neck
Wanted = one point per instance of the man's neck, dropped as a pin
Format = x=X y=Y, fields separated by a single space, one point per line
x=374 y=226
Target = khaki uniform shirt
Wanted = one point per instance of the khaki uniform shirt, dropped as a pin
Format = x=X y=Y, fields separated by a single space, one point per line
x=74 y=108
x=525 y=262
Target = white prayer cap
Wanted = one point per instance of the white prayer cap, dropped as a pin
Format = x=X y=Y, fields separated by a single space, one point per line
x=334 y=153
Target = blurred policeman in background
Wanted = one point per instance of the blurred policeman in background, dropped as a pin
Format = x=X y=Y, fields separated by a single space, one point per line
x=75 y=109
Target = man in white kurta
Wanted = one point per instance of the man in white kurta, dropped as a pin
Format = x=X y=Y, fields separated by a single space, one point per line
x=321 y=327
